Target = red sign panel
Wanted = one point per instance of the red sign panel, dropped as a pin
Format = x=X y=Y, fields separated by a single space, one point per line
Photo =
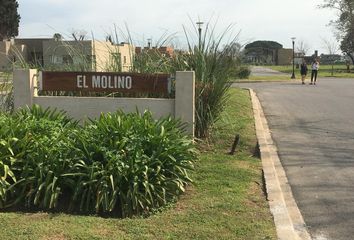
x=104 y=82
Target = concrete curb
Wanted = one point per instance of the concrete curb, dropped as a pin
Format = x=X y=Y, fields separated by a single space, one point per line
x=287 y=216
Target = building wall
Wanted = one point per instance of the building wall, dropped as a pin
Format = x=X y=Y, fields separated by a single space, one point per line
x=167 y=51
x=65 y=54
x=33 y=44
x=34 y=49
x=10 y=53
x=113 y=57
x=127 y=52
x=90 y=55
x=284 y=56
x=4 y=55
x=102 y=52
x=19 y=54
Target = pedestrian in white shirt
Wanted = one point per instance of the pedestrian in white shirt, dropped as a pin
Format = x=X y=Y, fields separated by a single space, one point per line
x=315 y=66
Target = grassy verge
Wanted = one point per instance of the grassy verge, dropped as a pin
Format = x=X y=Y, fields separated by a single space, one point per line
x=226 y=201
x=324 y=71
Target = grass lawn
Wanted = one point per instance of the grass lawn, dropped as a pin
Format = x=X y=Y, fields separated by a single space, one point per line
x=324 y=71
x=225 y=202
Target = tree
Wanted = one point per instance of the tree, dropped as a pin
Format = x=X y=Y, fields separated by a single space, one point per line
x=332 y=48
x=57 y=37
x=263 y=51
x=347 y=45
x=344 y=24
x=78 y=35
x=302 y=47
x=233 y=50
x=9 y=19
x=264 y=44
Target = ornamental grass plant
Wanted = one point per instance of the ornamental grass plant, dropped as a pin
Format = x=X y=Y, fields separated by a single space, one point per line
x=214 y=60
x=121 y=164
x=214 y=66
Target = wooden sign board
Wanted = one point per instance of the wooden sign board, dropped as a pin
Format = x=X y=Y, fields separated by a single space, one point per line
x=104 y=82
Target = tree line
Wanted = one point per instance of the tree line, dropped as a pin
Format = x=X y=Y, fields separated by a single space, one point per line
x=344 y=24
x=9 y=19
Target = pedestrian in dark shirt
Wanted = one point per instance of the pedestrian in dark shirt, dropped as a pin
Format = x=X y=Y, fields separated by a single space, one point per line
x=303 y=71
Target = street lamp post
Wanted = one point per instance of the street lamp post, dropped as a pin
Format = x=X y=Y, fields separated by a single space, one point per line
x=293 y=75
x=149 y=42
x=199 y=23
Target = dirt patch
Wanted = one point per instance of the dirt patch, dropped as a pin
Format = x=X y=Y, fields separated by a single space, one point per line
x=255 y=195
x=183 y=202
x=36 y=216
x=59 y=236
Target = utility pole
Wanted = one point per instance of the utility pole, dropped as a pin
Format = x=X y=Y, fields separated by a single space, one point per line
x=293 y=41
x=199 y=23
x=149 y=43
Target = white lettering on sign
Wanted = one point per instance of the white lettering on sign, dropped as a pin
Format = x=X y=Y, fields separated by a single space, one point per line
x=81 y=81
x=128 y=82
x=112 y=82
x=104 y=81
x=96 y=82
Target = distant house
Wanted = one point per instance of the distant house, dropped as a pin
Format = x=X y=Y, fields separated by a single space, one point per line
x=53 y=53
x=331 y=58
x=88 y=54
x=309 y=59
x=270 y=52
x=34 y=49
x=4 y=54
x=10 y=52
x=284 y=56
x=281 y=56
x=163 y=50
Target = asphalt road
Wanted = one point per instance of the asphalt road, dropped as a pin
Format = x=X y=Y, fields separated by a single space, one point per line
x=313 y=127
x=264 y=71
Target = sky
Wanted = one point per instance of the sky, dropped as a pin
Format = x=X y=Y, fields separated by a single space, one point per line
x=274 y=20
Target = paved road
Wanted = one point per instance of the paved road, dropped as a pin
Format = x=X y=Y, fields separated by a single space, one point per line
x=313 y=127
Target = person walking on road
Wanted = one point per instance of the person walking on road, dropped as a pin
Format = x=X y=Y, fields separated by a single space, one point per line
x=303 y=71
x=315 y=66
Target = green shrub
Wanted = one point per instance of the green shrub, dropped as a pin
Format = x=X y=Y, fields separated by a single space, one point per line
x=123 y=164
x=34 y=154
x=139 y=163
x=243 y=72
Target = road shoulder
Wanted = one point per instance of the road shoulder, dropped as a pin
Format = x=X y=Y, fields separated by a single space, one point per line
x=287 y=216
